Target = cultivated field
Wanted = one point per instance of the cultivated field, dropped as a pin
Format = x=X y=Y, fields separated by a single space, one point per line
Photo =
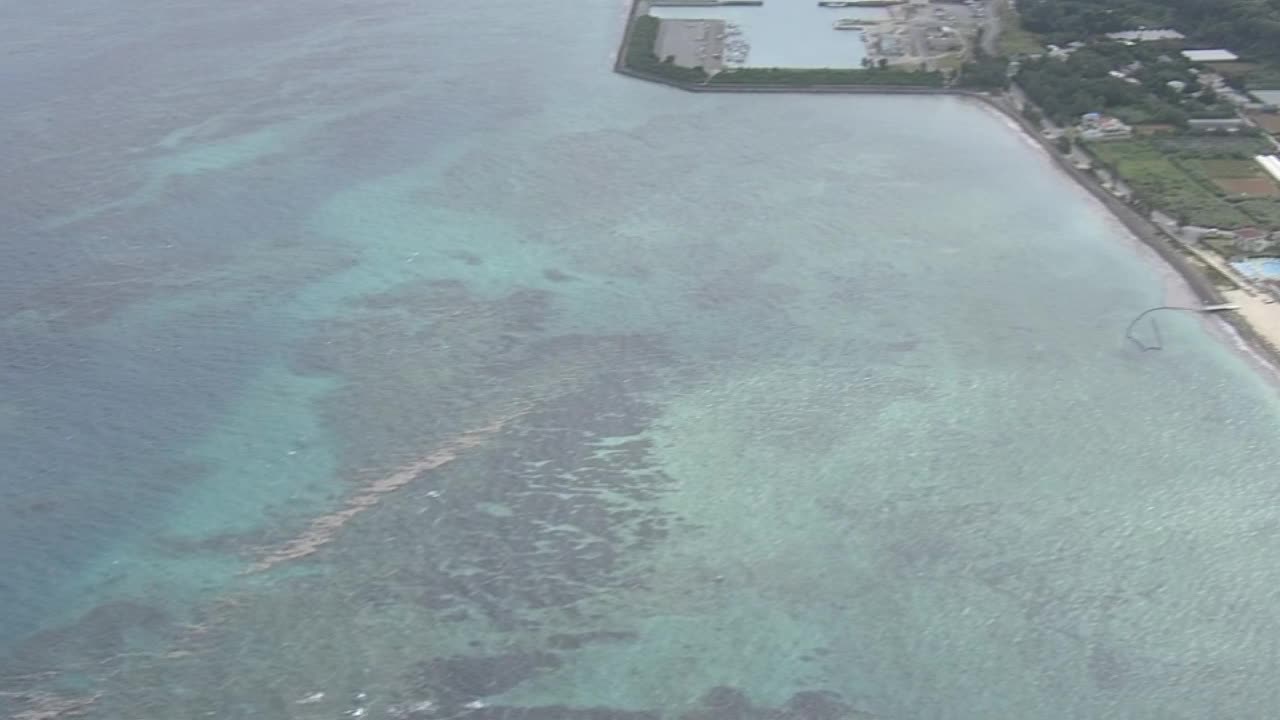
x=1205 y=181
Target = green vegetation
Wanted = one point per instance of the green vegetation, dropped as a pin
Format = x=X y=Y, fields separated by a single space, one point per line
x=1265 y=210
x=1229 y=168
x=1207 y=180
x=1249 y=27
x=1212 y=148
x=1249 y=76
x=984 y=71
x=1084 y=83
x=1062 y=21
x=1176 y=175
x=640 y=57
x=1159 y=182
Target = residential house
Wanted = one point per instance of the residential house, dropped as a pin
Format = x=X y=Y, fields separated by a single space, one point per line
x=1096 y=126
x=1253 y=240
x=1230 y=125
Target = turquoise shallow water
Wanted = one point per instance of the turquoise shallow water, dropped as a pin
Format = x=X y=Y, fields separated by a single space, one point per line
x=391 y=359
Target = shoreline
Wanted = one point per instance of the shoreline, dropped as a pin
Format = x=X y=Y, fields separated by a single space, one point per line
x=1247 y=330
x=1261 y=340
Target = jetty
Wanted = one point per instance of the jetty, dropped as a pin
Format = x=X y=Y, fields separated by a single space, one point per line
x=1159 y=344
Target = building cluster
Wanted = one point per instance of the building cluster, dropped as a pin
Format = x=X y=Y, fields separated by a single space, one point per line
x=1207 y=78
x=1096 y=126
x=1249 y=240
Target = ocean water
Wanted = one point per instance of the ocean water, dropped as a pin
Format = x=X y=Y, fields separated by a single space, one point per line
x=395 y=359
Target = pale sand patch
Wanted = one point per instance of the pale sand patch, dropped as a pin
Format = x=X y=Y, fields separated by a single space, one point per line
x=1262 y=316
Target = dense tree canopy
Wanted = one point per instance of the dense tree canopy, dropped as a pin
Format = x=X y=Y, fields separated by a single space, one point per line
x=1248 y=27
x=1084 y=83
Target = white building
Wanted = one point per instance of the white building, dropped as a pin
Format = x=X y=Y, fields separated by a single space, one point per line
x=1144 y=35
x=1210 y=56
x=1271 y=164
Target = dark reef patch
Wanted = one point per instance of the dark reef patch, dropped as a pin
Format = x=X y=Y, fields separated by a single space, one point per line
x=729 y=703
x=573 y=641
x=423 y=360
x=719 y=703
x=100 y=634
x=460 y=679
x=558 y=712
x=469 y=258
x=576 y=508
